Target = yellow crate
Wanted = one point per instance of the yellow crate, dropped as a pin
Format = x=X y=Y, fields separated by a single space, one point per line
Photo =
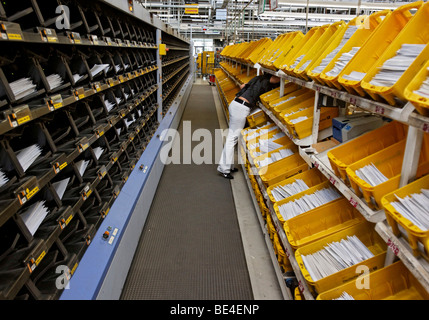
x=313 y=53
x=412 y=232
x=276 y=205
x=366 y=233
x=289 y=49
x=411 y=34
x=420 y=102
x=263 y=136
x=274 y=50
x=334 y=42
x=269 y=96
x=389 y=162
x=282 y=169
x=291 y=146
x=321 y=222
x=310 y=38
x=285 y=142
x=359 y=38
x=281 y=254
x=304 y=128
x=257 y=118
x=281 y=49
x=289 y=88
x=376 y=45
x=297 y=98
x=311 y=178
x=393 y=282
x=352 y=151
x=246 y=133
x=257 y=53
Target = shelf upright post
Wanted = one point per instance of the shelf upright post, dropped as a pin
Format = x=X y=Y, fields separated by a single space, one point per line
x=410 y=162
x=316 y=117
x=282 y=87
x=159 y=74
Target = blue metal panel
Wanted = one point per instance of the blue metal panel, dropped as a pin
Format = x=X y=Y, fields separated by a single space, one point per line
x=92 y=269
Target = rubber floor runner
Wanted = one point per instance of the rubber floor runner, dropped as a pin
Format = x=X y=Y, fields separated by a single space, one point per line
x=190 y=247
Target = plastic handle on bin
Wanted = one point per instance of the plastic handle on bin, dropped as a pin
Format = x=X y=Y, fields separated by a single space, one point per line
x=405 y=9
x=377 y=15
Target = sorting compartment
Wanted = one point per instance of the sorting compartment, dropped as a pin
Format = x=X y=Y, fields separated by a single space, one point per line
x=303 y=128
x=310 y=177
x=321 y=222
x=393 y=282
x=344 y=155
x=313 y=53
x=282 y=169
x=404 y=226
x=374 y=47
x=416 y=94
x=352 y=47
x=389 y=162
x=366 y=233
x=410 y=35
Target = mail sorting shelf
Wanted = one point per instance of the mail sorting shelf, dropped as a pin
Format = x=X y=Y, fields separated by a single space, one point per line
x=414 y=120
x=103 y=120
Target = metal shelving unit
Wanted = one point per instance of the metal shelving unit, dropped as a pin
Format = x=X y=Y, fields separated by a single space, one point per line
x=398 y=248
x=101 y=121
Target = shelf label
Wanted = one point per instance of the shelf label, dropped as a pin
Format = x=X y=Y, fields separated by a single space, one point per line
x=425 y=127
x=353 y=202
x=19 y=116
x=393 y=246
x=379 y=109
x=33 y=263
x=332 y=180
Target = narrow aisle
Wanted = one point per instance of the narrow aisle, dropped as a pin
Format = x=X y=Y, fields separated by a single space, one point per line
x=191 y=247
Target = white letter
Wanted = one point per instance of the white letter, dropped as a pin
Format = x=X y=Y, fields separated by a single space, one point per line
x=362 y=282
x=62 y=281
x=173 y=144
x=205 y=146
x=63 y=21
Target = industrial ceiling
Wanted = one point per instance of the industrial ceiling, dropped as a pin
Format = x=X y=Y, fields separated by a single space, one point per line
x=240 y=20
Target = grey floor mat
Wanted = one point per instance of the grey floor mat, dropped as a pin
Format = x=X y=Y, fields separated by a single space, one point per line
x=190 y=247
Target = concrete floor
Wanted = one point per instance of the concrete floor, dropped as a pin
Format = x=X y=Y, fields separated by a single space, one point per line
x=263 y=277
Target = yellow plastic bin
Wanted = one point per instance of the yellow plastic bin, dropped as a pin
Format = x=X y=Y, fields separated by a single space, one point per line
x=282 y=259
x=269 y=96
x=293 y=40
x=274 y=51
x=358 y=40
x=321 y=222
x=347 y=153
x=291 y=146
x=313 y=189
x=304 y=128
x=334 y=43
x=366 y=233
x=298 y=53
x=263 y=136
x=376 y=45
x=420 y=102
x=282 y=169
x=294 y=99
x=393 y=282
x=413 y=233
x=290 y=87
x=411 y=34
x=389 y=162
x=302 y=42
x=257 y=118
x=311 y=178
x=313 y=53
x=257 y=53
x=297 y=294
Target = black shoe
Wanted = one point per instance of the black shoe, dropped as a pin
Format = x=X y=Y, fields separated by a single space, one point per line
x=226 y=175
x=234 y=170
